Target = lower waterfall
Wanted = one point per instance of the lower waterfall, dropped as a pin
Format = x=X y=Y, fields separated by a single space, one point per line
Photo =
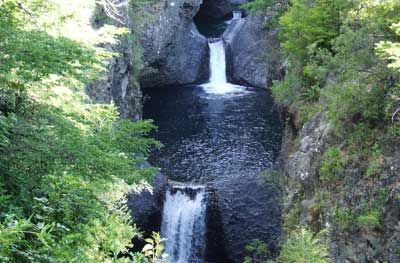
x=183 y=224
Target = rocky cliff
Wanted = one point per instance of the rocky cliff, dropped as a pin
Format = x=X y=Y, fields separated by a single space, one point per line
x=249 y=208
x=119 y=82
x=174 y=52
x=359 y=208
x=253 y=56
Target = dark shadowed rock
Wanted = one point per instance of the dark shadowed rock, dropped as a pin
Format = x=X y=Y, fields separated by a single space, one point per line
x=120 y=86
x=253 y=56
x=118 y=83
x=250 y=209
x=174 y=51
x=219 y=8
x=146 y=203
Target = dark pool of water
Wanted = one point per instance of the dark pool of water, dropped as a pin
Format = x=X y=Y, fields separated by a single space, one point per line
x=211 y=27
x=209 y=137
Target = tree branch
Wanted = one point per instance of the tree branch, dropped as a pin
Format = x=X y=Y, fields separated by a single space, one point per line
x=112 y=8
x=396 y=112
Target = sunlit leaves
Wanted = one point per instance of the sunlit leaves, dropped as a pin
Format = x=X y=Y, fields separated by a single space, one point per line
x=65 y=162
x=391 y=50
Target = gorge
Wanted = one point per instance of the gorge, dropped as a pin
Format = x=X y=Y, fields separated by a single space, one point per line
x=222 y=136
x=204 y=131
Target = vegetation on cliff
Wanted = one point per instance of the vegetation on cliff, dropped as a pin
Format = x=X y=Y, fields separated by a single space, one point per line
x=65 y=162
x=343 y=57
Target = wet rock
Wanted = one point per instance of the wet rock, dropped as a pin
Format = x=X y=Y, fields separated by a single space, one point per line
x=254 y=56
x=174 y=51
x=146 y=202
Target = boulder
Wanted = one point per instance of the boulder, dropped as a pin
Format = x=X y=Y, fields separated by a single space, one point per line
x=253 y=51
x=249 y=209
x=145 y=204
x=174 y=52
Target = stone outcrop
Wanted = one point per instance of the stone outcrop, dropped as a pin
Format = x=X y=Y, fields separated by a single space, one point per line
x=250 y=208
x=253 y=51
x=349 y=239
x=174 y=52
x=146 y=203
x=119 y=83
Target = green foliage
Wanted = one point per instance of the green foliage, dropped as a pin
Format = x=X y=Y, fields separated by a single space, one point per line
x=332 y=166
x=307 y=26
x=259 y=252
x=66 y=164
x=258 y=5
x=154 y=248
x=343 y=218
x=390 y=50
x=369 y=219
x=301 y=246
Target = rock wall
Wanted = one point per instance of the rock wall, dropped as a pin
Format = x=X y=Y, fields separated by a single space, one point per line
x=315 y=204
x=254 y=55
x=119 y=85
x=146 y=204
x=119 y=82
x=174 y=52
x=249 y=209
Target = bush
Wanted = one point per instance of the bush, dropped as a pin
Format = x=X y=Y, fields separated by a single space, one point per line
x=301 y=33
x=332 y=166
x=259 y=252
x=343 y=218
x=369 y=219
x=302 y=246
x=66 y=163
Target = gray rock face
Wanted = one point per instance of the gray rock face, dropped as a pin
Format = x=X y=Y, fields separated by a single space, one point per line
x=174 y=51
x=219 y=8
x=120 y=86
x=313 y=139
x=253 y=56
x=146 y=203
x=353 y=242
x=119 y=83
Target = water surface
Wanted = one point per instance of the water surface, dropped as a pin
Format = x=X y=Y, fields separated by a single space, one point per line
x=213 y=136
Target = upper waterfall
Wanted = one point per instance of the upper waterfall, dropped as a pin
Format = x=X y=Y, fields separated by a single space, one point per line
x=183 y=224
x=218 y=81
x=217 y=62
x=237 y=14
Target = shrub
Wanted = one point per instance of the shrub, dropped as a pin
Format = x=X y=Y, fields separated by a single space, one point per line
x=369 y=219
x=302 y=246
x=342 y=217
x=259 y=252
x=332 y=166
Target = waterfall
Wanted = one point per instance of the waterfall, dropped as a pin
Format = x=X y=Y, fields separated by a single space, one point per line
x=218 y=83
x=237 y=15
x=217 y=61
x=183 y=224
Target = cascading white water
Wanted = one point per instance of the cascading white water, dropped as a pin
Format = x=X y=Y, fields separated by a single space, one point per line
x=237 y=15
x=218 y=83
x=217 y=62
x=183 y=224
